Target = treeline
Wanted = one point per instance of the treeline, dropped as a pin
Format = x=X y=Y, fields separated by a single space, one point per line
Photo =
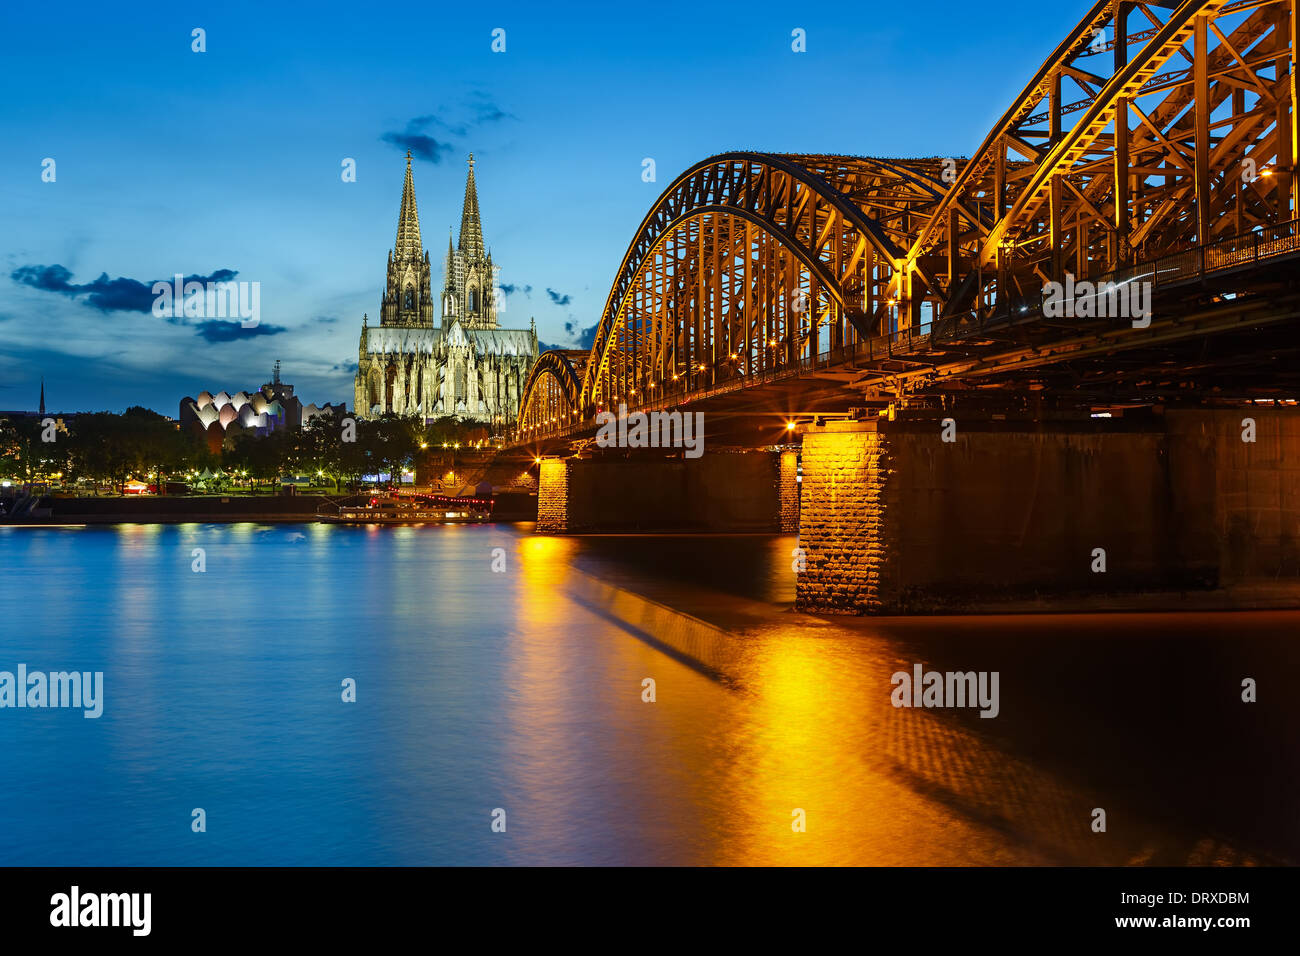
x=109 y=448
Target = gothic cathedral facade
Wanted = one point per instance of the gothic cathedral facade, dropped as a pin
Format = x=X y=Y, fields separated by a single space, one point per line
x=466 y=366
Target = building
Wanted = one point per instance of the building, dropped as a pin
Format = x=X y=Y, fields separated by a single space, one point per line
x=271 y=407
x=466 y=366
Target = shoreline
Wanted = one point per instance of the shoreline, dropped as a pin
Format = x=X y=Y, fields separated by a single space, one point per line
x=222 y=509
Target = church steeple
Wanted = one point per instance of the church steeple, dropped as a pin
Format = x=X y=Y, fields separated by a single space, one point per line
x=471 y=228
x=406 y=290
x=42 y=396
x=408 y=220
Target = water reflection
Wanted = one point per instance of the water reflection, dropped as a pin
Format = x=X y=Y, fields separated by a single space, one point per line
x=522 y=689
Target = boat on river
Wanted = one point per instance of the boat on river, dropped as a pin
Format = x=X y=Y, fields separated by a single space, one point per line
x=406 y=508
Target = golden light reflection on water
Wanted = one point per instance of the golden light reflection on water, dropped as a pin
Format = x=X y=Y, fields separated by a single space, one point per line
x=747 y=729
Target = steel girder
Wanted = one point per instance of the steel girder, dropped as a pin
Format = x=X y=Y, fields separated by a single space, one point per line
x=1152 y=127
x=1148 y=130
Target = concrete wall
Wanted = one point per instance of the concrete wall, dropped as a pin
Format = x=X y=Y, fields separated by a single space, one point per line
x=716 y=492
x=1255 y=486
x=894 y=519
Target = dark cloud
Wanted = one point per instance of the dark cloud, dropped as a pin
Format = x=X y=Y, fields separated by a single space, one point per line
x=421 y=145
x=107 y=295
x=221 y=330
x=559 y=298
x=416 y=138
x=585 y=339
x=512 y=288
x=349 y=367
x=326 y=319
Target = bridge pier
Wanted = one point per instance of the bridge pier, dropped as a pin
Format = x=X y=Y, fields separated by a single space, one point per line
x=1077 y=512
x=742 y=491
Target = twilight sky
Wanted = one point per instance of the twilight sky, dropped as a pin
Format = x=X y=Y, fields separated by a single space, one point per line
x=169 y=161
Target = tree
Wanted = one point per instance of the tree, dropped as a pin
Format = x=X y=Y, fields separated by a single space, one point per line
x=160 y=448
x=25 y=454
x=103 y=447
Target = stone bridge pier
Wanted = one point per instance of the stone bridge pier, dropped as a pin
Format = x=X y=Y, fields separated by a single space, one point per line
x=720 y=491
x=924 y=514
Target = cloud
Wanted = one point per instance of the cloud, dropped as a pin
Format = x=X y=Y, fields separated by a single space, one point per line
x=349 y=367
x=222 y=330
x=415 y=136
x=421 y=145
x=511 y=288
x=105 y=294
x=558 y=298
x=585 y=339
x=486 y=109
x=326 y=319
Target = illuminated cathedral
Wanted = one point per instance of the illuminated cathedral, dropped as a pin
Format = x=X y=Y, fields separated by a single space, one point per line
x=465 y=366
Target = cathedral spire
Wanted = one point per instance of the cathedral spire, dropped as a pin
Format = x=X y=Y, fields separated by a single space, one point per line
x=408 y=221
x=471 y=229
x=42 y=395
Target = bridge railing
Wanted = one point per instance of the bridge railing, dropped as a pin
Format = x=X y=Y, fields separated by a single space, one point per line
x=1189 y=265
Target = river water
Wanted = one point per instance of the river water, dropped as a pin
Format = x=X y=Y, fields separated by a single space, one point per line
x=520 y=689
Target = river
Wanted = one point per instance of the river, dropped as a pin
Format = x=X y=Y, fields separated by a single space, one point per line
x=508 y=684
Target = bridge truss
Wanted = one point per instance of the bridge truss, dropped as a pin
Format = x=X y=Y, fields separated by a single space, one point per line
x=1152 y=129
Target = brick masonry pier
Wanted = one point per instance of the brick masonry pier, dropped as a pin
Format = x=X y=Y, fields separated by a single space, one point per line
x=897 y=520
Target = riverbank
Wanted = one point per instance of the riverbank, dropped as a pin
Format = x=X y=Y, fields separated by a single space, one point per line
x=180 y=509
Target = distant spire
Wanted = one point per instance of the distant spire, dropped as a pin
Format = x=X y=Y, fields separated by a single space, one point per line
x=471 y=229
x=42 y=394
x=408 y=221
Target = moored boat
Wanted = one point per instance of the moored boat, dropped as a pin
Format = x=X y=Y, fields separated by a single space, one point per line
x=406 y=508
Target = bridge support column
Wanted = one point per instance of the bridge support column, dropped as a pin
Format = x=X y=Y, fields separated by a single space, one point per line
x=788 y=490
x=841 y=521
x=1057 y=514
x=553 y=495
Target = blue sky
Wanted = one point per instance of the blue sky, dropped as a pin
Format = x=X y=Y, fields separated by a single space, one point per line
x=170 y=161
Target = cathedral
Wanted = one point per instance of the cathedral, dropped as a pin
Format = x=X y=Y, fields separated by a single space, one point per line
x=465 y=366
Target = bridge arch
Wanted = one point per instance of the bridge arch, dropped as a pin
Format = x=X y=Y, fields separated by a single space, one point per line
x=552 y=391
x=1177 y=97
x=749 y=262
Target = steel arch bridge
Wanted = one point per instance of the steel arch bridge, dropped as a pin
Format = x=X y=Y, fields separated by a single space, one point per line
x=1151 y=129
